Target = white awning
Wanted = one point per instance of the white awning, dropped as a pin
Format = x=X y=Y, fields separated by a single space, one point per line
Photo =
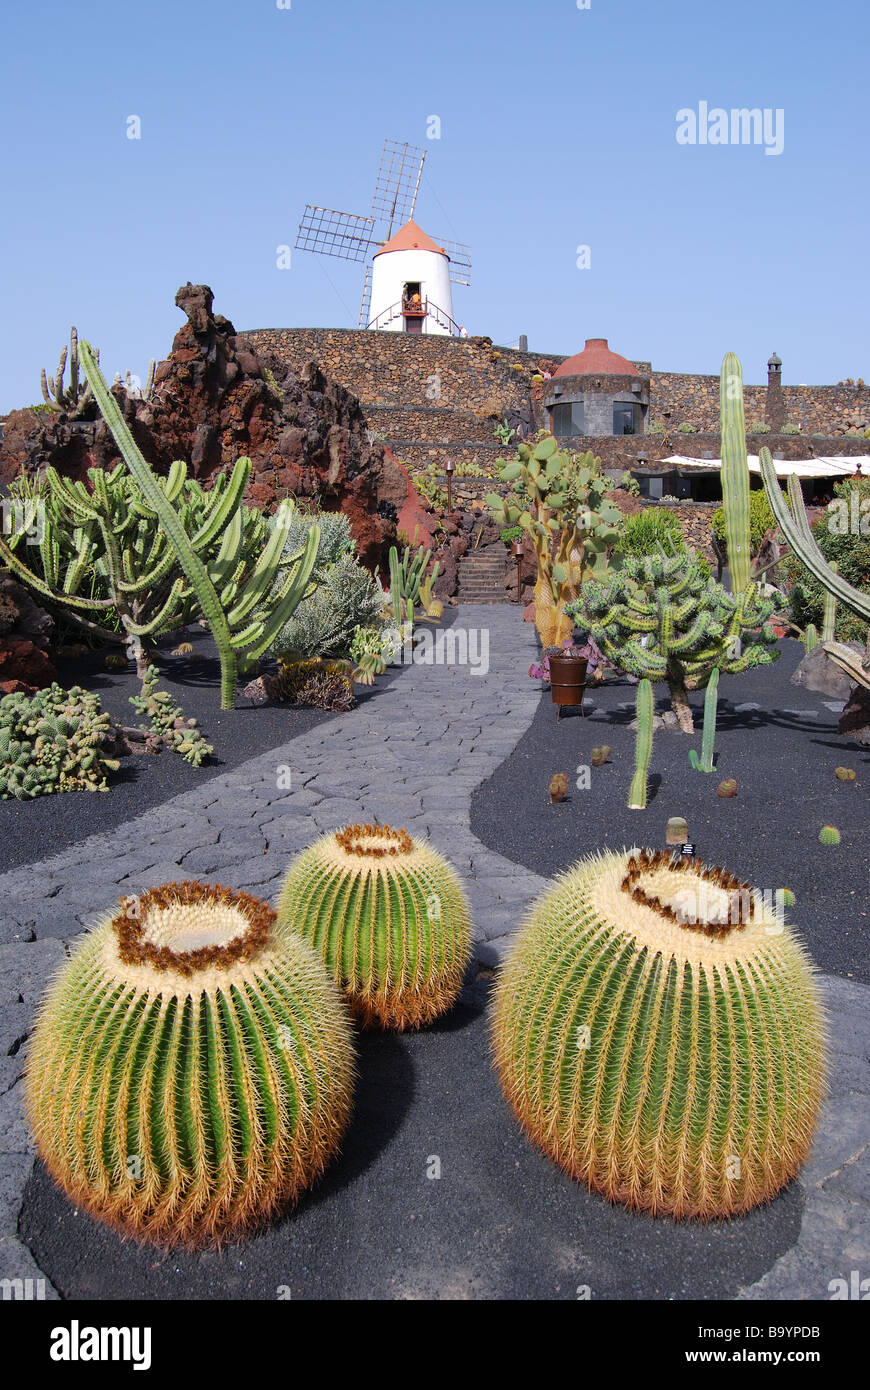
x=825 y=466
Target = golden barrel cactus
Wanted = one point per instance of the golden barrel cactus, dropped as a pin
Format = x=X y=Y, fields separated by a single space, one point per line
x=390 y=919
x=191 y=1068
x=658 y=1033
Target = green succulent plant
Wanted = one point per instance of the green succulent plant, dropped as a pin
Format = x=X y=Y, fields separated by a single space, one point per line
x=570 y=521
x=658 y=618
x=167 y=721
x=191 y=1069
x=658 y=1033
x=54 y=741
x=389 y=916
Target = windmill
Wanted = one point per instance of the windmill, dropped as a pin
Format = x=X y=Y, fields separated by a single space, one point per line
x=354 y=237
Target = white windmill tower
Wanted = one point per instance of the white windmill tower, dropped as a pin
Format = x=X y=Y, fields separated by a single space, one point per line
x=408 y=274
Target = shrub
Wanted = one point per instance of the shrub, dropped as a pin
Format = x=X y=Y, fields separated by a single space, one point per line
x=335 y=537
x=645 y=530
x=761 y=520
x=348 y=596
x=658 y=427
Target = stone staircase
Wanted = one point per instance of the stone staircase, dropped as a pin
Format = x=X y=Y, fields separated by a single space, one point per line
x=481 y=577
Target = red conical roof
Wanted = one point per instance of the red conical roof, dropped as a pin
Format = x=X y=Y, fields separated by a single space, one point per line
x=596 y=359
x=411 y=238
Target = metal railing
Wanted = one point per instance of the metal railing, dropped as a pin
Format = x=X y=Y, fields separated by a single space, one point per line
x=399 y=309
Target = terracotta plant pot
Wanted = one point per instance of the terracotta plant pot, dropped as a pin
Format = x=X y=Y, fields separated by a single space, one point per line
x=567 y=681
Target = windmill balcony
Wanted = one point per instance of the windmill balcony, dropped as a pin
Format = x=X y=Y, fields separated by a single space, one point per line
x=426 y=308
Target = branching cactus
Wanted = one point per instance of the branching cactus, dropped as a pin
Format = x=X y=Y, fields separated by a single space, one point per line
x=73 y=399
x=164 y=552
x=570 y=521
x=389 y=916
x=409 y=584
x=658 y=1032
x=191 y=1069
x=660 y=618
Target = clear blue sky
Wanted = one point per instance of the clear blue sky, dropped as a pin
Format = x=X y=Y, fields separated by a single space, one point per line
x=558 y=128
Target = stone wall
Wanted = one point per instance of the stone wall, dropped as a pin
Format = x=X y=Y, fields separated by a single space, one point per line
x=826 y=410
x=398 y=369
x=435 y=398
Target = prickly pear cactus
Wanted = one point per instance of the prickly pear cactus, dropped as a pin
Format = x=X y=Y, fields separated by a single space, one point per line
x=658 y=1032
x=388 y=915
x=191 y=1068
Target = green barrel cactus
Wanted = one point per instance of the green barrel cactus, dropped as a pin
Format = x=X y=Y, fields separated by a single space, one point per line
x=389 y=916
x=191 y=1068
x=658 y=1033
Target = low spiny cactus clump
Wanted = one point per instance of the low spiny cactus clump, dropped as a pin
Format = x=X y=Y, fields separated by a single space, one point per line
x=389 y=916
x=54 y=741
x=829 y=835
x=167 y=720
x=558 y=787
x=191 y=1068
x=658 y=1033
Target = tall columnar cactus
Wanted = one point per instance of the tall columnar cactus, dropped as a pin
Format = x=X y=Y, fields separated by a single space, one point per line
x=54 y=741
x=73 y=399
x=660 y=617
x=658 y=1032
x=795 y=527
x=708 y=742
x=829 y=612
x=643 y=746
x=389 y=916
x=811 y=637
x=570 y=521
x=191 y=1068
x=735 y=472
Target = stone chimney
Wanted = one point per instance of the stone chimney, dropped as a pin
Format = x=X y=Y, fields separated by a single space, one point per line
x=774 y=408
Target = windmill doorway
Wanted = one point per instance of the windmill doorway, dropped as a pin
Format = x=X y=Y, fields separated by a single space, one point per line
x=413 y=306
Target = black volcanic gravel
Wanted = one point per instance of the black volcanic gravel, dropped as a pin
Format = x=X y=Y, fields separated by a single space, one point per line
x=767 y=834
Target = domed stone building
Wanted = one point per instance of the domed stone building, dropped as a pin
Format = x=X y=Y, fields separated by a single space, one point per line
x=596 y=392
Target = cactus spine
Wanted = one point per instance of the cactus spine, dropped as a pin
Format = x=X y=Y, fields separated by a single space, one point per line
x=705 y=762
x=390 y=918
x=191 y=1068
x=658 y=1033
x=735 y=472
x=643 y=746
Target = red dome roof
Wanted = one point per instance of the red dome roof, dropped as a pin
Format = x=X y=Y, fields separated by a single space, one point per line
x=596 y=359
x=411 y=238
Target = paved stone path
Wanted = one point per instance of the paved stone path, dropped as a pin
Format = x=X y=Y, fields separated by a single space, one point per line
x=411 y=756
